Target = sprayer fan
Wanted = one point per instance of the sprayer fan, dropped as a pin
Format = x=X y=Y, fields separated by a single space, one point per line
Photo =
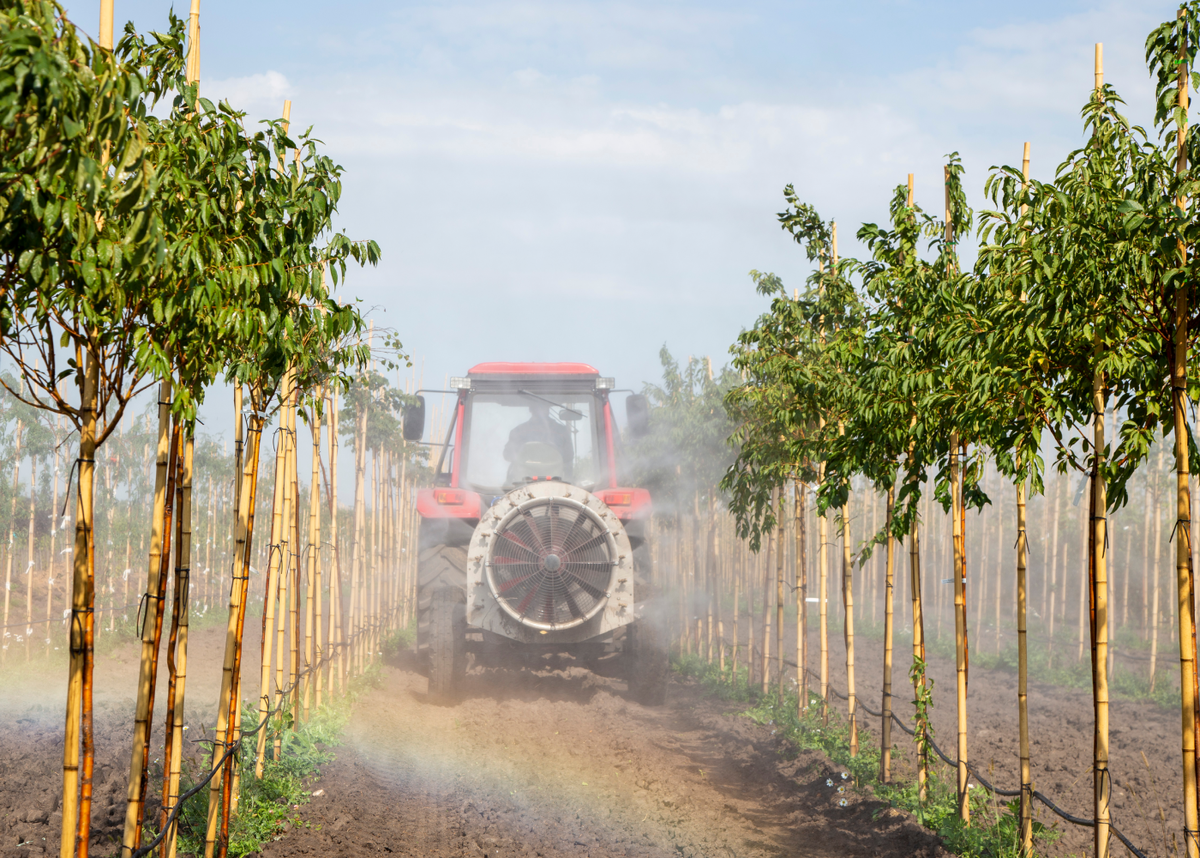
x=550 y=564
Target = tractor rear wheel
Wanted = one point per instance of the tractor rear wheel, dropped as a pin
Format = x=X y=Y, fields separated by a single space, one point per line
x=647 y=661
x=447 y=644
x=439 y=567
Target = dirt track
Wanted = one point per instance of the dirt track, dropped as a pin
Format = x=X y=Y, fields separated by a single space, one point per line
x=561 y=763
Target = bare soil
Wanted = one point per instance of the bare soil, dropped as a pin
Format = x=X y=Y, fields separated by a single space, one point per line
x=32 y=705
x=1144 y=756
x=563 y=763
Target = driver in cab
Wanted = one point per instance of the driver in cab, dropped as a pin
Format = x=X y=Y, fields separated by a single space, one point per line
x=541 y=428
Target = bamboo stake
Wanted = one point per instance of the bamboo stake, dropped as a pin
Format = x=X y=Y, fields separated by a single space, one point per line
x=1154 y=610
x=312 y=603
x=801 y=559
x=54 y=525
x=960 y=626
x=1026 y=801
x=177 y=650
x=1098 y=579
x=922 y=726
x=151 y=630
x=293 y=672
x=737 y=582
x=848 y=602
x=847 y=572
x=275 y=565
x=868 y=576
x=1058 y=489
x=229 y=706
x=1085 y=538
x=375 y=573
x=719 y=577
x=999 y=573
x=405 y=541
x=766 y=596
x=960 y=600
x=918 y=617
x=30 y=539
x=779 y=552
x=1099 y=623
x=885 y=726
x=12 y=523
x=1025 y=808
x=823 y=552
x=337 y=626
x=1045 y=567
x=1183 y=556
x=710 y=572
x=282 y=591
x=358 y=562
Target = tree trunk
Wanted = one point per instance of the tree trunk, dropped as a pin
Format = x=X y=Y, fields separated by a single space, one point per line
x=78 y=747
x=177 y=651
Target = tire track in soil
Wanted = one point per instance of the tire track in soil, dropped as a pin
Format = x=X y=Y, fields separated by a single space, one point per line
x=563 y=764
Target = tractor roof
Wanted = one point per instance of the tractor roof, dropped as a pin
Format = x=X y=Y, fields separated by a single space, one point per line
x=513 y=368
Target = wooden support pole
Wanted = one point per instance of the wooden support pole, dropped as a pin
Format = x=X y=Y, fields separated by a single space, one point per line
x=1025 y=809
x=885 y=726
x=151 y=617
x=1184 y=574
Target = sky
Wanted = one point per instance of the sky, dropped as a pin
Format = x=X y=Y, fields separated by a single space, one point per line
x=594 y=180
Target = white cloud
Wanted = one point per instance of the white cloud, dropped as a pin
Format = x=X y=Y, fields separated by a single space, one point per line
x=259 y=95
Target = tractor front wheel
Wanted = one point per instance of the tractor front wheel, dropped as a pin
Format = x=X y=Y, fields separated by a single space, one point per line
x=447 y=644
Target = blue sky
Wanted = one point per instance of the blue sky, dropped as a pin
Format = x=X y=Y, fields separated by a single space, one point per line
x=588 y=181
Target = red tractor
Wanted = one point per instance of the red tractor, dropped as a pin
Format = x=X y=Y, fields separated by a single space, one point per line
x=531 y=547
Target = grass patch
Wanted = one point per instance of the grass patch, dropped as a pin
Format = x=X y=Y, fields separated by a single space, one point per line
x=401 y=641
x=268 y=806
x=994 y=831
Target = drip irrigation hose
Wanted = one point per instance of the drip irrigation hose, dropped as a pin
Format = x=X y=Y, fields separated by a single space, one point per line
x=1040 y=796
x=235 y=745
x=67 y=618
x=1008 y=793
